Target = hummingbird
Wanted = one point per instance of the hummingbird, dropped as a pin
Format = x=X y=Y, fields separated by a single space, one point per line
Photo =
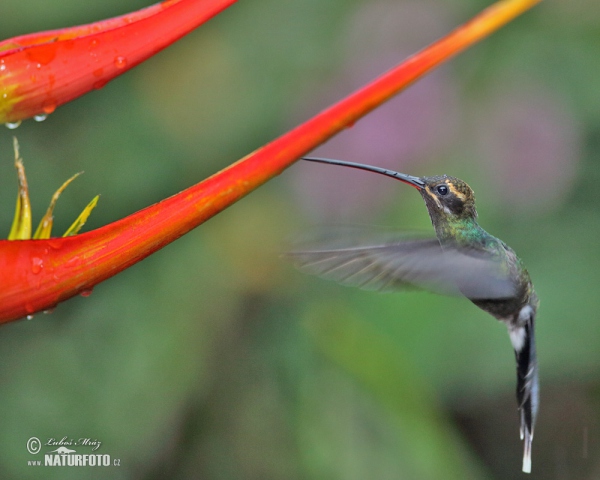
x=463 y=259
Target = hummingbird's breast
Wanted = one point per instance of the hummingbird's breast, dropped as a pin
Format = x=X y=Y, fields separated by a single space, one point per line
x=508 y=309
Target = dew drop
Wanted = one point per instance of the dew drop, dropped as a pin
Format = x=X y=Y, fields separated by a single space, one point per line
x=48 y=107
x=120 y=62
x=87 y=292
x=12 y=125
x=29 y=317
x=48 y=311
x=99 y=84
x=40 y=117
x=36 y=265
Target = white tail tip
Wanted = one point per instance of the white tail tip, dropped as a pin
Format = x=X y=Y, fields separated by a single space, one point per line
x=527 y=454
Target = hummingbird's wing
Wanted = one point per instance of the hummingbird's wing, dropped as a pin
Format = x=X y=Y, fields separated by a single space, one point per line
x=389 y=264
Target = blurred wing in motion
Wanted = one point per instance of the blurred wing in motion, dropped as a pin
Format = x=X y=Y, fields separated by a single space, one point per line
x=389 y=264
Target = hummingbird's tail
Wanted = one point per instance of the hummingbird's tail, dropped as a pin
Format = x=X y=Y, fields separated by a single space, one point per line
x=523 y=341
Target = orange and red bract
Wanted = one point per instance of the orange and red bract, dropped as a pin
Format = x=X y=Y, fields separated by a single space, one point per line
x=40 y=71
x=37 y=274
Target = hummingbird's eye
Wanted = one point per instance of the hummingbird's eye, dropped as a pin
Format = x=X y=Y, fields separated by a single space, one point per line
x=442 y=190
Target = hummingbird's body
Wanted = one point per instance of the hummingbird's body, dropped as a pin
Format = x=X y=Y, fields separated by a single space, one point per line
x=464 y=259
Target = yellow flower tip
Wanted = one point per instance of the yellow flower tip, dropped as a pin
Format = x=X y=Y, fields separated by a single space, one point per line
x=44 y=229
x=21 y=226
x=82 y=218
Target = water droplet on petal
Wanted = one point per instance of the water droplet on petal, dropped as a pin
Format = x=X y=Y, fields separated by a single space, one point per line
x=29 y=309
x=99 y=84
x=49 y=106
x=120 y=62
x=55 y=243
x=12 y=125
x=40 y=117
x=87 y=292
x=36 y=265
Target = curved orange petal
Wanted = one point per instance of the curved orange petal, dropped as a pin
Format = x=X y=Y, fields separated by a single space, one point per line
x=40 y=71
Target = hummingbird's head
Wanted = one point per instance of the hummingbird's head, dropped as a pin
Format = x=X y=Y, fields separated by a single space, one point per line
x=448 y=198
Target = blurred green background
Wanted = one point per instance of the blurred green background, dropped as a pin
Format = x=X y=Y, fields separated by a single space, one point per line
x=213 y=358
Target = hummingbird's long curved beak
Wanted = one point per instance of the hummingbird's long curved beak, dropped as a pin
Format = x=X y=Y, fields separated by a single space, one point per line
x=408 y=179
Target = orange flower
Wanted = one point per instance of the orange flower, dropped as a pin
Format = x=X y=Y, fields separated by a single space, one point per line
x=38 y=274
x=40 y=71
